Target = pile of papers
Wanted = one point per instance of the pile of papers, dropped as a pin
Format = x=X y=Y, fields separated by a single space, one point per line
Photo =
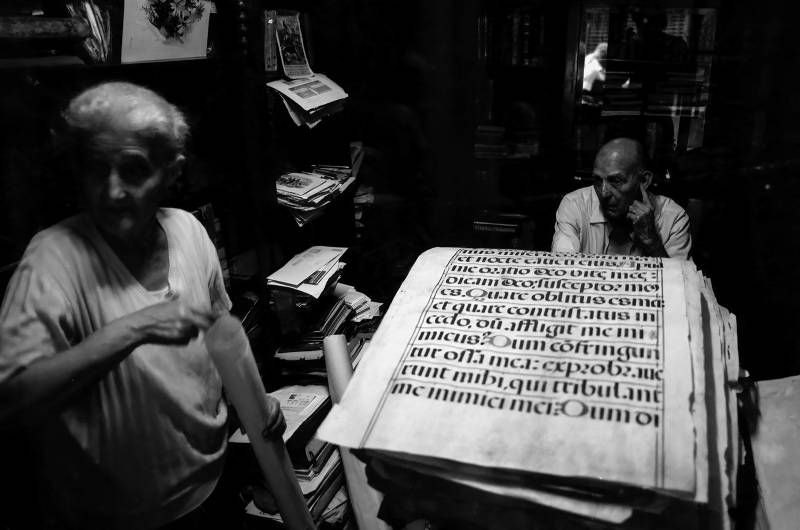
x=309 y=100
x=528 y=388
x=344 y=306
x=310 y=272
x=362 y=306
x=308 y=97
x=307 y=194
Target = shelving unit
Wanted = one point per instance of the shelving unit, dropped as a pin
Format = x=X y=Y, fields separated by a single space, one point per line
x=517 y=133
x=225 y=102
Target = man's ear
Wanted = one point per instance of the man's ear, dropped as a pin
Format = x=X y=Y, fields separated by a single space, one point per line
x=175 y=169
x=646 y=178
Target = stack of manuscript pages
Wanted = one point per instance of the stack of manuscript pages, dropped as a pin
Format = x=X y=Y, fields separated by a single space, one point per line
x=520 y=389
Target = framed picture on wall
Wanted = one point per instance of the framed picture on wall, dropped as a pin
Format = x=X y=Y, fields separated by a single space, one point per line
x=163 y=30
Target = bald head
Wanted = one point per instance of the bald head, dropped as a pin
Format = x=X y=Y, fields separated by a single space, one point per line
x=620 y=176
x=624 y=154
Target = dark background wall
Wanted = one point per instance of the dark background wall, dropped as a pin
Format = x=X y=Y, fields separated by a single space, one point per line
x=409 y=69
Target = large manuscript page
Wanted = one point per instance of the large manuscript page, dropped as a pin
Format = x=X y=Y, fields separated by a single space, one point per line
x=567 y=365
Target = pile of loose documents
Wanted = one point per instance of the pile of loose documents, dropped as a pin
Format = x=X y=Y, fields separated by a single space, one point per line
x=308 y=97
x=307 y=194
x=310 y=272
x=539 y=390
x=308 y=100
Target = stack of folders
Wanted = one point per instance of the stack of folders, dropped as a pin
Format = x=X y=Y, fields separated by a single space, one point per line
x=307 y=194
x=317 y=463
x=519 y=389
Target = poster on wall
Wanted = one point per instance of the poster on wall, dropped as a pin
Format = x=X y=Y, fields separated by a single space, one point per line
x=162 y=30
x=290 y=46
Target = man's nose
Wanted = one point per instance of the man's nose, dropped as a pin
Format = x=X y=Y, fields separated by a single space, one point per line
x=116 y=187
x=605 y=189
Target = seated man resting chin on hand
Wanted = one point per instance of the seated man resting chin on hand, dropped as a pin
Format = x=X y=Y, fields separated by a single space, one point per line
x=618 y=215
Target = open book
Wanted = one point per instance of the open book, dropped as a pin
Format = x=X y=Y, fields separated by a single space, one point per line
x=588 y=385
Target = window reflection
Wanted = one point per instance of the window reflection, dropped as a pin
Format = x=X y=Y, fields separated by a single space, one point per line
x=594 y=66
x=646 y=74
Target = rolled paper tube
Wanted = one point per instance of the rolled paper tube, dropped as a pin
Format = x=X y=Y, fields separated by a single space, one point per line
x=337 y=364
x=229 y=348
x=365 y=500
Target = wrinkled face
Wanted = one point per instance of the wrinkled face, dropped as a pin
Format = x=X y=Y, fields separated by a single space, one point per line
x=616 y=185
x=122 y=184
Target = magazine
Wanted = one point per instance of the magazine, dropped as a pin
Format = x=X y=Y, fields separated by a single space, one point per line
x=290 y=46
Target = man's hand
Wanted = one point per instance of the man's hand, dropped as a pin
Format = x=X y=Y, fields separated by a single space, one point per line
x=642 y=218
x=641 y=214
x=276 y=423
x=171 y=322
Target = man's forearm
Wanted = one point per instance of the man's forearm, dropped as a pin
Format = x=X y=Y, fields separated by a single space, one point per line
x=48 y=383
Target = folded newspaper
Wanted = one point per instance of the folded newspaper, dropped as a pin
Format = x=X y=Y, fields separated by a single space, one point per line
x=564 y=385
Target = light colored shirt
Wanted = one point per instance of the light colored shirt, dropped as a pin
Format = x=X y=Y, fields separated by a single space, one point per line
x=592 y=71
x=145 y=444
x=582 y=227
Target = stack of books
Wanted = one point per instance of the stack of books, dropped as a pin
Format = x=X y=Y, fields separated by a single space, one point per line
x=307 y=194
x=311 y=304
x=302 y=356
x=332 y=317
x=522 y=389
